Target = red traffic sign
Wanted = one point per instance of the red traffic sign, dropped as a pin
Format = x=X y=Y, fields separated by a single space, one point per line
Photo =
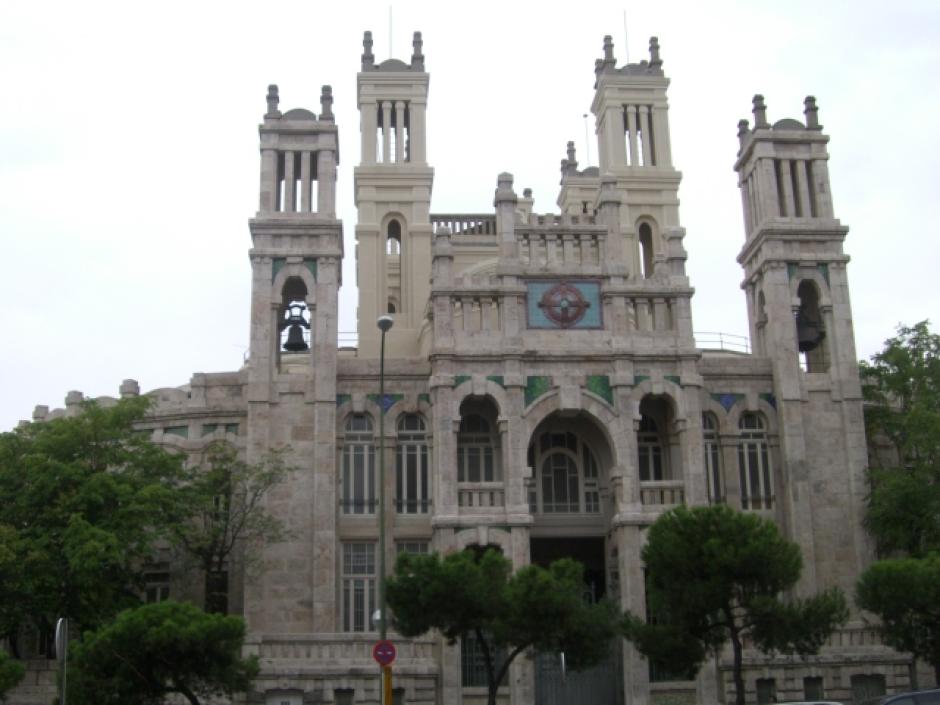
x=383 y=652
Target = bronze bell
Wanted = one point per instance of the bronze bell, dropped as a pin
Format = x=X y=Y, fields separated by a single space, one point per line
x=296 y=323
x=809 y=333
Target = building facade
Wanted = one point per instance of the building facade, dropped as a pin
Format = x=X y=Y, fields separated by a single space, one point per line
x=544 y=391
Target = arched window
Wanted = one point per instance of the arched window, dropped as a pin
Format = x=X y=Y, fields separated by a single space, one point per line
x=566 y=475
x=716 y=491
x=650 y=445
x=810 y=330
x=757 y=489
x=393 y=239
x=646 y=250
x=358 y=495
x=412 y=490
x=476 y=451
x=294 y=326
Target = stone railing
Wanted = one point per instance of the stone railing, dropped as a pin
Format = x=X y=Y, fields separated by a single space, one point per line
x=555 y=247
x=332 y=649
x=662 y=492
x=465 y=223
x=480 y=495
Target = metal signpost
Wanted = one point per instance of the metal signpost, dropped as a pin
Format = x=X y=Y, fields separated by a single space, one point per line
x=384 y=654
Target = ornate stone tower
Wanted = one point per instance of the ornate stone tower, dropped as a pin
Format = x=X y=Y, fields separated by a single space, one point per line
x=291 y=391
x=633 y=146
x=393 y=194
x=801 y=319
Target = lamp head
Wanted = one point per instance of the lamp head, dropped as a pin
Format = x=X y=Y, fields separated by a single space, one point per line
x=385 y=323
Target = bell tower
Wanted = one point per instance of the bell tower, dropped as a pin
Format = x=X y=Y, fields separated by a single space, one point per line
x=297 y=248
x=800 y=318
x=633 y=146
x=393 y=195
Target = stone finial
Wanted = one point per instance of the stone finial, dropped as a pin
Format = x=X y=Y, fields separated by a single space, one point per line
x=609 y=50
x=129 y=388
x=811 y=112
x=417 y=57
x=655 y=60
x=326 y=103
x=504 y=192
x=572 y=152
x=273 y=99
x=40 y=412
x=368 y=58
x=760 y=112
x=527 y=193
x=744 y=129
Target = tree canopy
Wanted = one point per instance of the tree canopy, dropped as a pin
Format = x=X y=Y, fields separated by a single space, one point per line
x=467 y=593
x=159 y=649
x=82 y=500
x=223 y=500
x=905 y=594
x=902 y=419
x=716 y=575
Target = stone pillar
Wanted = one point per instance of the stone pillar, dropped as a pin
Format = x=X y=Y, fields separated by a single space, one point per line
x=399 y=131
x=505 y=203
x=644 y=115
x=416 y=132
x=369 y=113
x=268 y=201
x=326 y=182
x=305 y=176
x=386 y=128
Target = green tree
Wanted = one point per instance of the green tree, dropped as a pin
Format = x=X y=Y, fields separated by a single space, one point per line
x=154 y=651
x=466 y=593
x=901 y=385
x=11 y=673
x=223 y=498
x=82 y=500
x=905 y=594
x=716 y=575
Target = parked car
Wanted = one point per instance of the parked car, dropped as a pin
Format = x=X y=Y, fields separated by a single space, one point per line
x=919 y=697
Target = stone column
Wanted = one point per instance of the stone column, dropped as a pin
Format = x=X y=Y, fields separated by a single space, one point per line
x=305 y=185
x=386 y=128
x=399 y=131
x=290 y=204
x=644 y=114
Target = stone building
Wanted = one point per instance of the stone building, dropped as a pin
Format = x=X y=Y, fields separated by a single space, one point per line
x=544 y=390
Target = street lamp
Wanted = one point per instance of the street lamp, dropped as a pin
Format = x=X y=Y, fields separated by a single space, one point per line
x=384 y=323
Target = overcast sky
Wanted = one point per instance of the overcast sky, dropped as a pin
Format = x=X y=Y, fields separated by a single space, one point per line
x=129 y=152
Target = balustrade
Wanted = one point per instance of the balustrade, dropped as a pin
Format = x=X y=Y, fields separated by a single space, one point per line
x=465 y=224
x=482 y=495
x=552 y=248
x=662 y=492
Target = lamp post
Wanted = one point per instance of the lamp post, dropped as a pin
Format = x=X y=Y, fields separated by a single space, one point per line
x=384 y=323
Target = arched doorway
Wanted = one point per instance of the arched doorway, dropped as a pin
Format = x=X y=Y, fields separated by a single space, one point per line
x=569 y=458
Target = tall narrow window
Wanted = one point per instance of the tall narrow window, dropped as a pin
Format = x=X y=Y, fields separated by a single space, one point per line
x=358 y=586
x=650 y=446
x=294 y=327
x=646 y=250
x=757 y=490
x=413 y=495
x=716 y=494
x=358 y=491
x=476 y=457
x=393 y=239
x=810 y=330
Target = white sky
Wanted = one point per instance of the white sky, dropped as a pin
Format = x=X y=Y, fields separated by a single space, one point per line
x=129 y=152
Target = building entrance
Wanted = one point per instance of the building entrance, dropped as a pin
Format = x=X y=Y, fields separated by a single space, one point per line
x=554 y=683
